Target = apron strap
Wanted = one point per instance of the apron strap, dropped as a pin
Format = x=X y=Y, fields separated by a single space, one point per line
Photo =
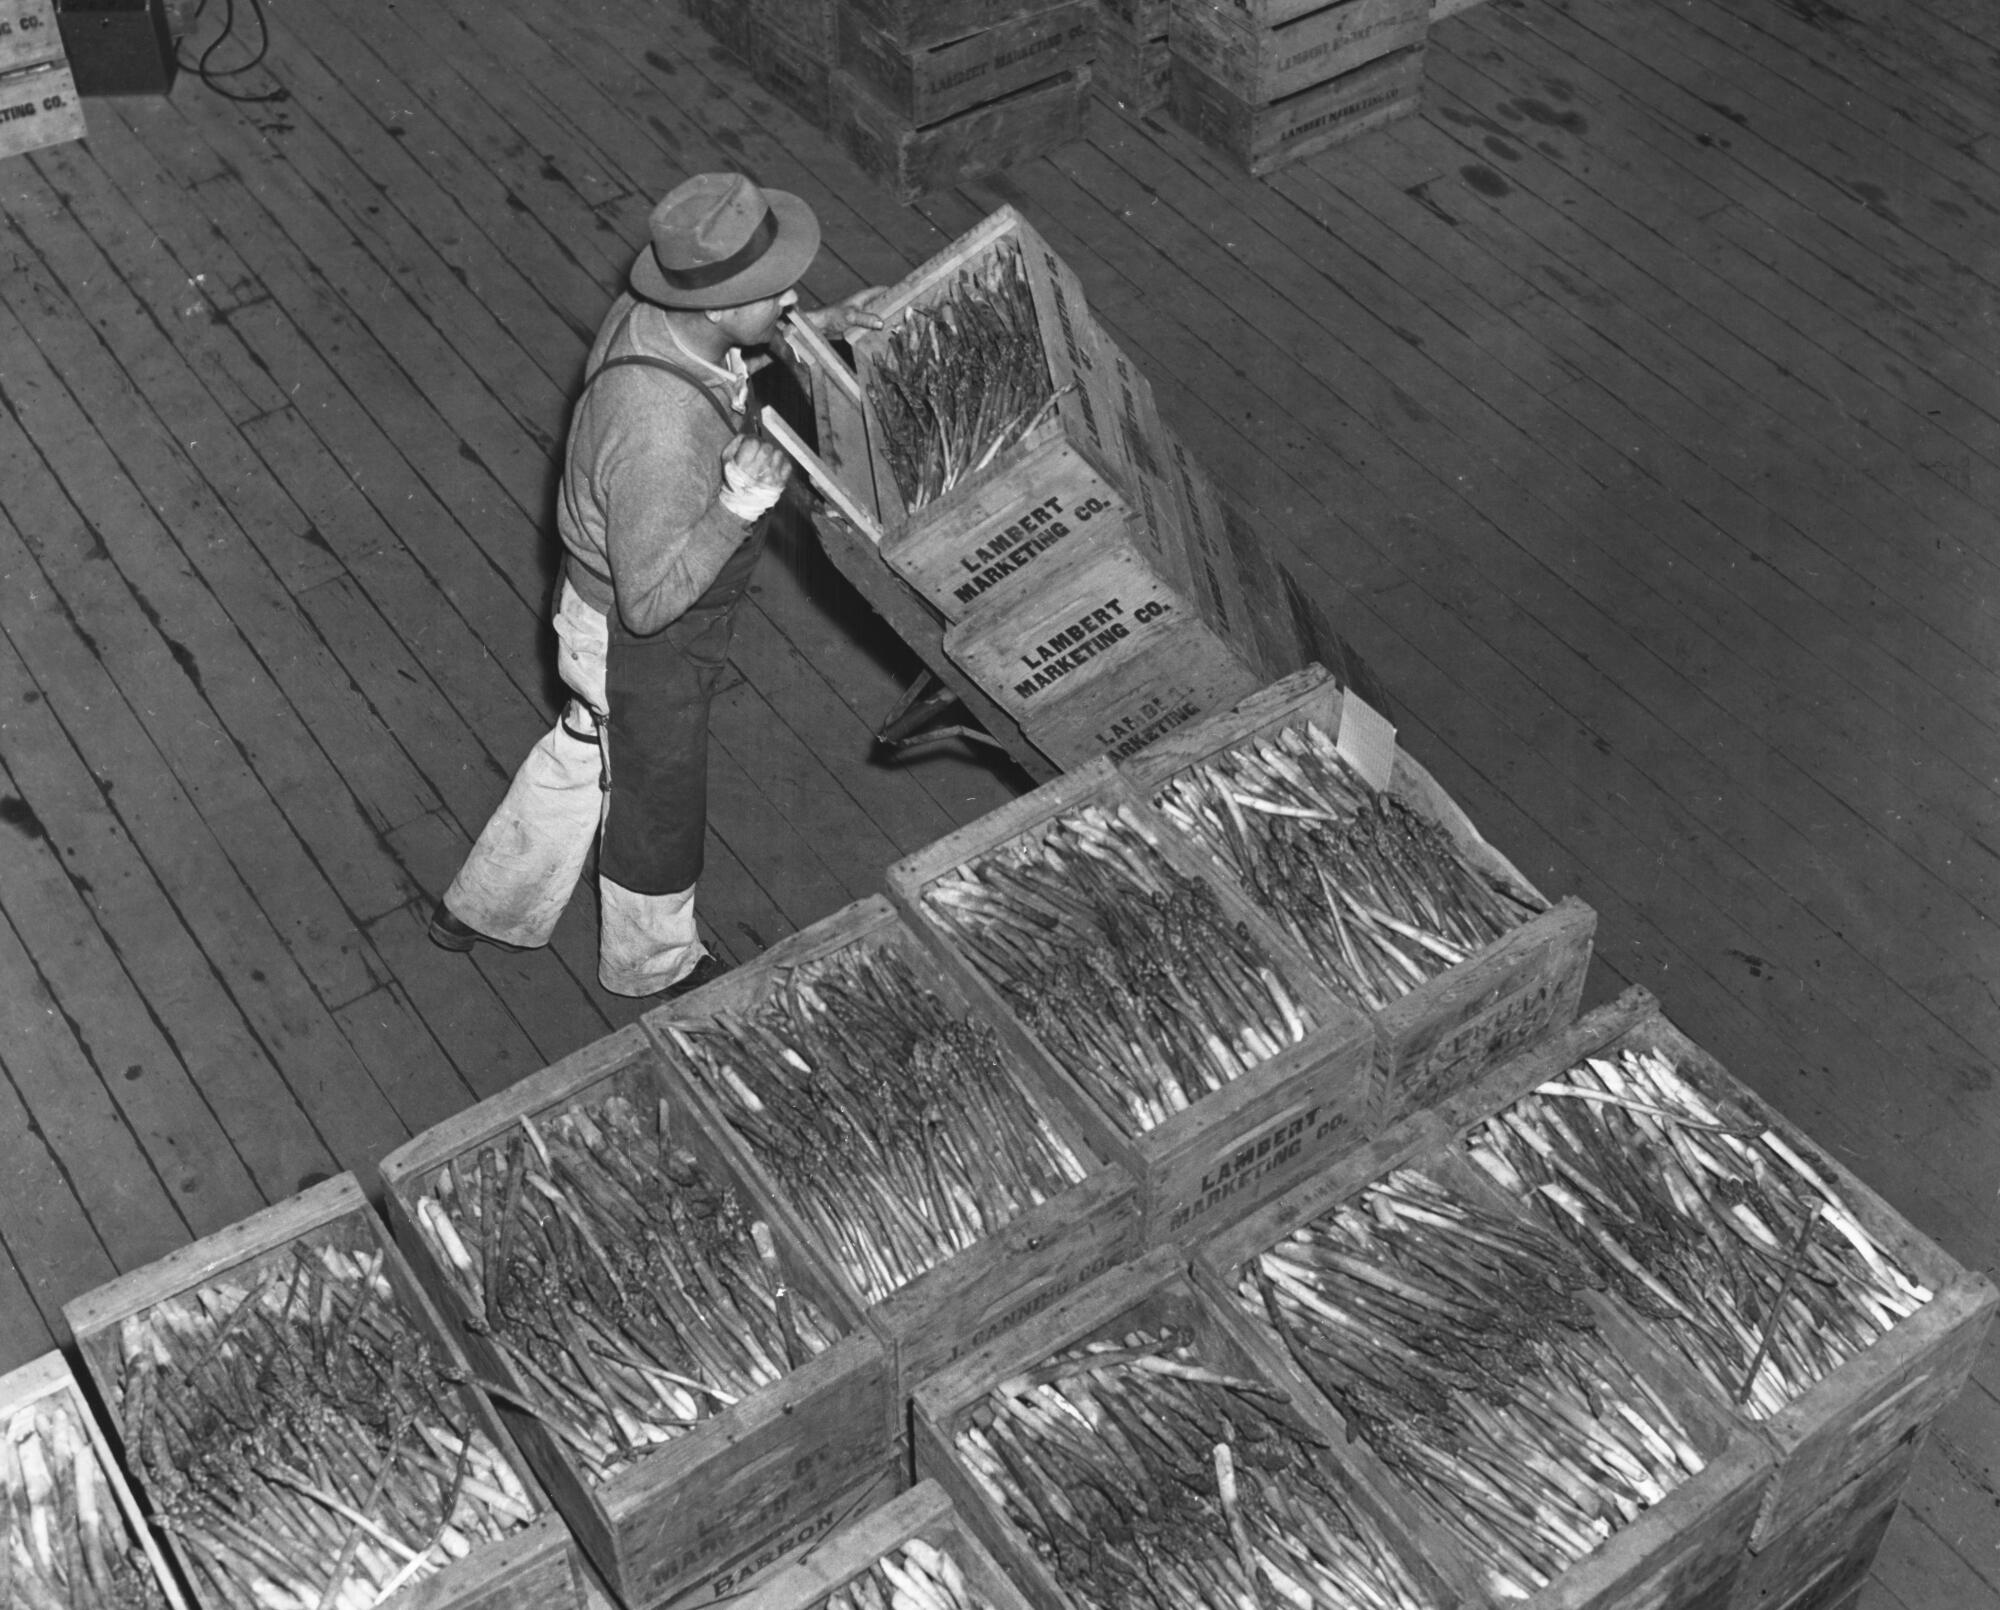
x=644 y=360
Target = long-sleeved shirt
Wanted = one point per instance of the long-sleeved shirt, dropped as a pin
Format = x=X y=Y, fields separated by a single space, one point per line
x=642 y=473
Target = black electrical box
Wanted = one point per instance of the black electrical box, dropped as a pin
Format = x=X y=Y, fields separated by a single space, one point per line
x=117 y=47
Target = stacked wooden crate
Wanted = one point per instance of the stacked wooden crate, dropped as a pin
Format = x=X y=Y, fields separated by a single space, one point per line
x=1270 y=81
x=1092 y=579
x=1132 y=51
x=930 y=93
x=38 y=102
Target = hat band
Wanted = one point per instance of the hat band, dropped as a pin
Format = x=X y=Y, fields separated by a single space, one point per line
x=706 y=275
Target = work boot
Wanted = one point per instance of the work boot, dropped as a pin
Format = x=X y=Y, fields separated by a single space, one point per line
x=448 y=933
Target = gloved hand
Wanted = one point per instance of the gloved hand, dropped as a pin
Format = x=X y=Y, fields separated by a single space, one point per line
x=754 y=473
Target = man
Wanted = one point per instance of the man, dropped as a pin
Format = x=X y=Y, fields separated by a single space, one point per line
x=664 y=500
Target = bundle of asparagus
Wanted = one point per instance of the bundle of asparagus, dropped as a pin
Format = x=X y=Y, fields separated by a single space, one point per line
x=303 y=1441
x=959 y=380
x=893 y=1122
x=1143 y=1477
x=1376 y=892
x=64 y=1540
x=632 y=1294
x=914 y=1575
x=1727 y=1237
x=1459 y=1348
x=1130 y=972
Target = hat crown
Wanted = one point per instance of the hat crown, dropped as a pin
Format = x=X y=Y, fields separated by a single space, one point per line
x=706 y=220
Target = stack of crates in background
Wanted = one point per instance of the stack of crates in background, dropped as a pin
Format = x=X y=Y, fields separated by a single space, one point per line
x=787 y=45
x=38 y=104
x=1269 y=81
x=1132 y=58
x=930 y=93
x=791 y=53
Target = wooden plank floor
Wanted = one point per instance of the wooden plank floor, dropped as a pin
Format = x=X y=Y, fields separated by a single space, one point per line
x=1633 y=410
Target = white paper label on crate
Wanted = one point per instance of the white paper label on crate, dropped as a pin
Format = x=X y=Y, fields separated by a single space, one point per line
x=1367 y=740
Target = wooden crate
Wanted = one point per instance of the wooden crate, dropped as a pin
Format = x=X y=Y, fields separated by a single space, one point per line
x=49 y=1378
x=1232 y=1149
x=1266 y=135
x=1131 y=67
x=727 y=21
x=28 y=34
x=978 y=538
x=925 y=1511
x=1100 y=626
x=913 y=24
x=795 y=69
x=915 y=162
x=39 y=108
x=990 y=1287
x=1847 y=1423
x=536 y=1566
x=925 y=84
x=1456 y=1026
x=1684 y=1553
x=1820 y=1560
x=1262 y=63
x=1154 y=1291
x=695 y=1519
x=1142 y=19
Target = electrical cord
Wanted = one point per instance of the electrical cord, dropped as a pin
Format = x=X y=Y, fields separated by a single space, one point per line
x=212 y=76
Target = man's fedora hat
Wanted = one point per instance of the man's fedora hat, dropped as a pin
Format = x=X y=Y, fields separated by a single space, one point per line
x=720 y=241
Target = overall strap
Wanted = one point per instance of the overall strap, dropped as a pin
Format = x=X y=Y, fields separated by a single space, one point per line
x=641 y=360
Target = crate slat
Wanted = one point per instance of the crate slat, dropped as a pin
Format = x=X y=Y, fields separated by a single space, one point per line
x=914 y=162
x=695 y=1518
x=1232 y=1149
x=1853 y=1418
x=1029 y=1263
x=1824 y=1557
x=913 y=24
x=533 y=1568
x=1154 y=1291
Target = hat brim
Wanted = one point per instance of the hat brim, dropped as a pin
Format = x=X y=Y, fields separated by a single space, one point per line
x=778 y=270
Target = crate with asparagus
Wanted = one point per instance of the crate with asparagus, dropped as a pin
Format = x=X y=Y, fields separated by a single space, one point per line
x=1406 y=912
x=932 y=1167
x=71 y=1534
x=790 y=51
x=988 y=400
x=304 y=1432
x=1570 y=1462
x=1180 y=1030
x=927 y=83
x=914 y=1553
x=1820 y=1561
x=700 y=1400
x=1126 y=1448
x=1803 y=1300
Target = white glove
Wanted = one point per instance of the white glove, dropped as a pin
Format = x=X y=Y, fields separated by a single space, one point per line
x=745 y=493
